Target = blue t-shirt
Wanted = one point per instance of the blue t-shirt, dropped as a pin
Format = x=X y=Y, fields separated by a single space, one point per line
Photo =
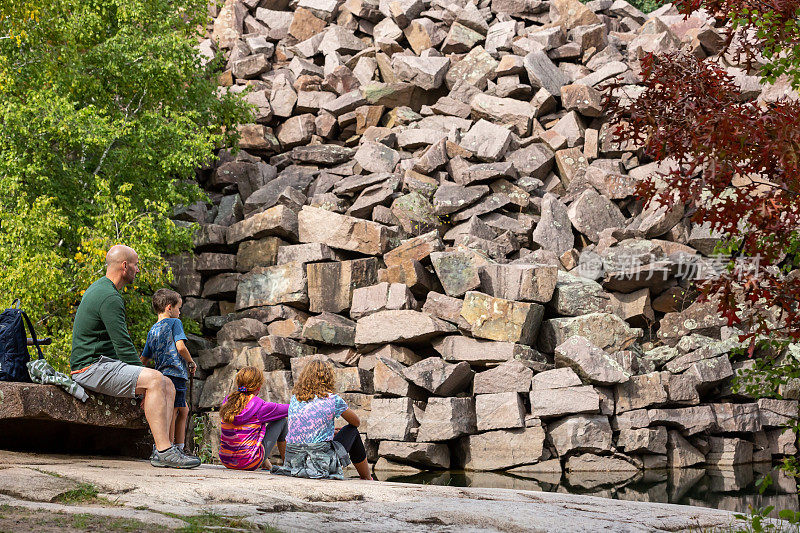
x=161 y=348
x=312 y=421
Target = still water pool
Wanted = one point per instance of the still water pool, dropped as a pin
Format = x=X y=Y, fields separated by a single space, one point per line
x=731 y=489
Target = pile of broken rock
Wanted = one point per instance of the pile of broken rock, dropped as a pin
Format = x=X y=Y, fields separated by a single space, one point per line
x=416 y=202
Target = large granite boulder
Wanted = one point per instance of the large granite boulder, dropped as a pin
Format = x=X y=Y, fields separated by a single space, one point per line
x=512 y=376
x=341 y=231
x=391 y=419
x=560 y=392
x=424 y=454
x=590 y=362
x=455 y=348
x=402 y=326
x=589 y=433
x=440 y=377
x=447 y=419
x=503 y=449
x=503 y=410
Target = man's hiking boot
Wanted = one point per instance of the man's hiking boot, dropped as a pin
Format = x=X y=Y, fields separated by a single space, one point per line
x=173 y=458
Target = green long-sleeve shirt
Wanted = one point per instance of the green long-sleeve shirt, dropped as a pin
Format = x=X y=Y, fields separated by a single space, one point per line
x=100 y=328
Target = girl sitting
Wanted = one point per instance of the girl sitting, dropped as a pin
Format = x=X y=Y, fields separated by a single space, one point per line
x=251 y=426
x=314 y=449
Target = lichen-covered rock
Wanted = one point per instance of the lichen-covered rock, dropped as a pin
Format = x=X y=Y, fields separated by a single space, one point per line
x=646 y=390
x=459 y=270
x=502 y=320
x=590 y=362
x=273 y=285
x=604 y=330
x=329 y=328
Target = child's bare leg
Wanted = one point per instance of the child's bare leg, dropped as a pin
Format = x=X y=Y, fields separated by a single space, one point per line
x=282 y=449
x=172 y=425
x=275 y=434
x=363 y=470
x=266 y=464
x=180 y=424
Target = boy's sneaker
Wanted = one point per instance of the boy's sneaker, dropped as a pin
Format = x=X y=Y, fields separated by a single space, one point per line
x=173 y=458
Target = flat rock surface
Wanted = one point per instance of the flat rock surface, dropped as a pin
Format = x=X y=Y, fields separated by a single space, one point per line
x=290 y=504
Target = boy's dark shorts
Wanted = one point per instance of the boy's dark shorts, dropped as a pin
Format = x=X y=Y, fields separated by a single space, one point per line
x=180 y=391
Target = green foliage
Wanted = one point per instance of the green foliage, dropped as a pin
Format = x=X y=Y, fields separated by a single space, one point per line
x=780 y=36
x=646 y=6
x=758 y=521
x=202 y=450
x=776 y=365
x=106 y=114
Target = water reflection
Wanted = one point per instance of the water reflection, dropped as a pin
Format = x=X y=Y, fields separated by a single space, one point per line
x=731 y=489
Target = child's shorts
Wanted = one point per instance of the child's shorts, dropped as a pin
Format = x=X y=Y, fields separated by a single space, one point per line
x=180 y=391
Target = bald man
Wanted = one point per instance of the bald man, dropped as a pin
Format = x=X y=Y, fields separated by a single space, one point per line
x=105 y=360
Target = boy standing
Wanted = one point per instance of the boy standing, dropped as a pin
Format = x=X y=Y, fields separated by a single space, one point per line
x=167 y=348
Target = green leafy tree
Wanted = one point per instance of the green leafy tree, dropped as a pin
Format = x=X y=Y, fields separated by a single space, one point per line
x=106 y=110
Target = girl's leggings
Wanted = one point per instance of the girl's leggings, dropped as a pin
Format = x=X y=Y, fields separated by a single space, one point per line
x=276 y=431
x=349 y=438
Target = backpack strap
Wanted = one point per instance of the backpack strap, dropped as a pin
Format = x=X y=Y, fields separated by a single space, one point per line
x=33 y=334
x=16 y=304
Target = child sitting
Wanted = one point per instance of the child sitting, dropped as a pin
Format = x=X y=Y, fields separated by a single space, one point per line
x=314 y=449
x=166 y=347
x=250 y=426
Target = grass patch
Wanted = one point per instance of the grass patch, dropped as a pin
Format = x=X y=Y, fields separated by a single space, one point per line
x=91 y=522
x=83 y=493
x=20 y=519
x=209 y=520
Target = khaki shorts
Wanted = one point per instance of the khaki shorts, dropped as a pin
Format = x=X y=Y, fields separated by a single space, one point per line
x=109 y=376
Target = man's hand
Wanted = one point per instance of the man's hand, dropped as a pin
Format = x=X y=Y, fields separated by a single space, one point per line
x=192 y=367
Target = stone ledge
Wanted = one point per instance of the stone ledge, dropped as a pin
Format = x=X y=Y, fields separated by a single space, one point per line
x=37 y=417
x=49 y=402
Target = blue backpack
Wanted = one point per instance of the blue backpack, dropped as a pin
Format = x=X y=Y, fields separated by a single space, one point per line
x=14 y=344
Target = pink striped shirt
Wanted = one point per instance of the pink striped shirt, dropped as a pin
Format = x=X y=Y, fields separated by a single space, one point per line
x=241 y=441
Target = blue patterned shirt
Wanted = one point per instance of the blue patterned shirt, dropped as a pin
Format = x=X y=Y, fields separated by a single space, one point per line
x=161 y=348
x=311 y=422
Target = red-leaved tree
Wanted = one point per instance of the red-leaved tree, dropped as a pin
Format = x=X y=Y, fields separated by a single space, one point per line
x=734 y=161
